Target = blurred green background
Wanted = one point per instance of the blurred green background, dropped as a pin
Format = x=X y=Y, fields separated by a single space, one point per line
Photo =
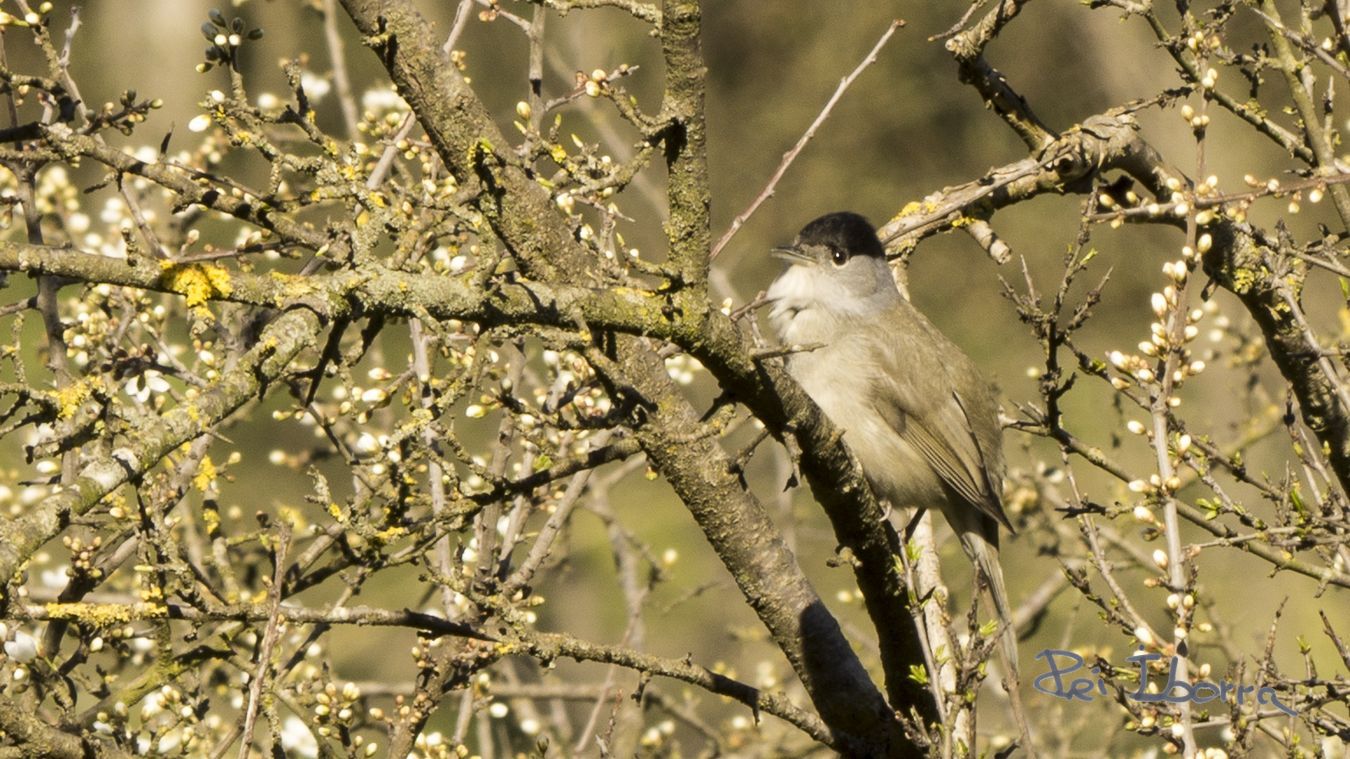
x=906 y=128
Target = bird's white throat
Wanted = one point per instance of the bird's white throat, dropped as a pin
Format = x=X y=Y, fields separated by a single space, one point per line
x=805 y=301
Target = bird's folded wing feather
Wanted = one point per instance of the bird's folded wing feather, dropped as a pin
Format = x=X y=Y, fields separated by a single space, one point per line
x=941 y=433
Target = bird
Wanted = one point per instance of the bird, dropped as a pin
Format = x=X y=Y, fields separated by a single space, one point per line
x=914 y=409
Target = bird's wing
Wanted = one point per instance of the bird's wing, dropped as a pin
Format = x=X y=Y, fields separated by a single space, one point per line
x=941 y=429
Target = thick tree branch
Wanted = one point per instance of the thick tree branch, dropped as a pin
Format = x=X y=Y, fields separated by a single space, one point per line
x=522 y=216
x=968 y=49
x=686 y=135
x=1100 y=143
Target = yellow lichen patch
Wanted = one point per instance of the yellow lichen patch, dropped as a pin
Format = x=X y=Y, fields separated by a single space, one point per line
x=389 y=535
x=295 y=286
x=211 y=519
x=104 y=615
x=205 y=478
x=483 y=147
x=1243 y=279
x=71 y=397
x=911 y=208
x=198 y=283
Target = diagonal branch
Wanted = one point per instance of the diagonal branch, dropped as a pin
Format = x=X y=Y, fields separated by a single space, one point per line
x=736 y=524
x=810 y=132
x=968 y=49
x=279 y=343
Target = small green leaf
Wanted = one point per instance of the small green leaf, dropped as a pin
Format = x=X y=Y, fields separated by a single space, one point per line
x=918 y=674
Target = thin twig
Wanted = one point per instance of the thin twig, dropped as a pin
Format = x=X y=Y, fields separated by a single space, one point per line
x=791 y=155
x=457 y=26
x=269 y=641
x=335 y=52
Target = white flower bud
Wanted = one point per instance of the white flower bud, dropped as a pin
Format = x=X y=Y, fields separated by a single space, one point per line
x=23 y=648
x=366 y=444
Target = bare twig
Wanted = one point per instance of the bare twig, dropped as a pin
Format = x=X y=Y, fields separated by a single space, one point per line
x=810 y=132
x=261 y=677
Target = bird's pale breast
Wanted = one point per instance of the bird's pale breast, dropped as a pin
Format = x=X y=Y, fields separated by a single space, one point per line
x=836 y=375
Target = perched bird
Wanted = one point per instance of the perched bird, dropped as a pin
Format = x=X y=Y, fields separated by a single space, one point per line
x=913 y=407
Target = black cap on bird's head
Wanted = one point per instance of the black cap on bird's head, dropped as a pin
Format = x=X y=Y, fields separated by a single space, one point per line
x=841 y=235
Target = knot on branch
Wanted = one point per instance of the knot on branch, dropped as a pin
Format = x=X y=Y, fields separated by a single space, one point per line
x=1087 y=148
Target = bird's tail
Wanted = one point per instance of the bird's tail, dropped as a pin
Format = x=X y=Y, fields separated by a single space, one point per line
x=983 y=551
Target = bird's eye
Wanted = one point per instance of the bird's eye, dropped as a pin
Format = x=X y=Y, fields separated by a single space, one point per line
x=839 y=257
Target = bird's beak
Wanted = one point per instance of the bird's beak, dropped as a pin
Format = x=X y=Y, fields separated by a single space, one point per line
x=791 y=254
